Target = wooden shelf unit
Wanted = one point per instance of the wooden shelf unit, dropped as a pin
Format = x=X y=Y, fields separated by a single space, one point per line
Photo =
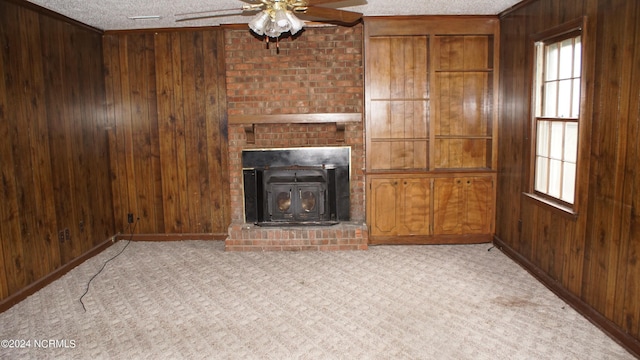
x=431 y=134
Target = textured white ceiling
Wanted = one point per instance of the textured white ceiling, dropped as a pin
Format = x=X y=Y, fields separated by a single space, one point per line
x=114 y=14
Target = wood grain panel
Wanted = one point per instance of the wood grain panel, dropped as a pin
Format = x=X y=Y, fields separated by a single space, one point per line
x=448 y=200
x=384 y=204
x=170 y=163
x=54 y=164
x=398 y=102
x=416 y=202
x=592 y=253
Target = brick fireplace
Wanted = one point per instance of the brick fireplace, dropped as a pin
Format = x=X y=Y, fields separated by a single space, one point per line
x=343 y=235
x=306 y=93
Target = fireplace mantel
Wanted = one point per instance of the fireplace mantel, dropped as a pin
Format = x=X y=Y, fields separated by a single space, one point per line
x=250 y=121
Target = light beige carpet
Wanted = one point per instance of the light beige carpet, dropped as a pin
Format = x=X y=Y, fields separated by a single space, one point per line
x=192 y=300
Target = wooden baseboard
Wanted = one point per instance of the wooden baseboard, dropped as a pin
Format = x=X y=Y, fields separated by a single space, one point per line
x=431 y=239
x=13 y=299
x=607 y=326
x=172 y=237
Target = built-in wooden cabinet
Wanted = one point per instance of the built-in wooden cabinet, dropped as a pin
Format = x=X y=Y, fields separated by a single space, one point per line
x=430 y=120
x=463 y=205
x=400 y=206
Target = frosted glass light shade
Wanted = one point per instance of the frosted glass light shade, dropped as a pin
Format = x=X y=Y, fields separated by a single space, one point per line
x=296 y=24
x=260 y=22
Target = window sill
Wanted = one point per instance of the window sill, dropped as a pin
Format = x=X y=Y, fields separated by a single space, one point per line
x=554 y=207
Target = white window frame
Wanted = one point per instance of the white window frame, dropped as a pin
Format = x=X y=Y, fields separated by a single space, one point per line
x=555 y=147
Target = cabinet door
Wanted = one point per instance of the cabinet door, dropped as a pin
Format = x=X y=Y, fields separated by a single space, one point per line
x=415 y=207
x=463 y=205
x=384 y=206
x=447 y=203
x=478 y=211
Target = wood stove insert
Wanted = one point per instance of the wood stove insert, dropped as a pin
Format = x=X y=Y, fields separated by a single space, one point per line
x=303 y=186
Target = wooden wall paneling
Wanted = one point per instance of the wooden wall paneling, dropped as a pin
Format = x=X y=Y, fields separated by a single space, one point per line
x=603 y=238
x=42 y=161
x=626 y=307
x=6 y=217
x=192 y=78
x=19 y=145
x=167 y=118
x=99 y=224
x=180 y=171
x=126 y=123
x=26 y=87
x=631 y=307
x=113 y=104
x=45 y=257
x=59 y=104
x=74 y=123
x=13 y=274
x=511 y=132
x=626 y=152
x=53 y=168
x=170 y=122
x=82 y=227
x=592 y=254
x=52 y=35
x=154 y=133
x=216 y=129
x=141 y=167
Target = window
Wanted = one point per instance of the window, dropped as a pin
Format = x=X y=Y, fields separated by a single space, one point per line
x=557 y=114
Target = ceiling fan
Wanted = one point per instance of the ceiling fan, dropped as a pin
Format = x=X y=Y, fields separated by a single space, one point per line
x=276 y=17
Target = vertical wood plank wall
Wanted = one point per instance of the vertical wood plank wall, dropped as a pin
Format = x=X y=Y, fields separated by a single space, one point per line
x=594 y=256
x=166 y=100
x=54 y=169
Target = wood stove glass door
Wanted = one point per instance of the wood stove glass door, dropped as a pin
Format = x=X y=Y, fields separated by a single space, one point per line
x=294 y=202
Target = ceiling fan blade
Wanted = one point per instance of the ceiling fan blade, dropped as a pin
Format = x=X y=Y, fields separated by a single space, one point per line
x=341 y=16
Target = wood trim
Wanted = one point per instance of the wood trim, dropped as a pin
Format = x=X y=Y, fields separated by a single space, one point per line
x=295 y=118
x=46 y=12
x=431 y=239
x=599 y=320
x=551 y=205
x=516 y=7
x=433 y=173
x=171 y=237
x=160 y=30
x=7 y=303
x=430 y=24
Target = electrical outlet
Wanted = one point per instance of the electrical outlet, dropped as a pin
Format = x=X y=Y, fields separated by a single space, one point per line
x=61 y=236
x=130 y=218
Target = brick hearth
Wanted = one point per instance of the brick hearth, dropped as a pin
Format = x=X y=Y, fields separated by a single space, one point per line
x=343 y=236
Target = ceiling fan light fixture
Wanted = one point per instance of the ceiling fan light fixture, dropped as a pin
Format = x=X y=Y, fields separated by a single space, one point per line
x=281 y=19
x=296 y=24
x=260 y=22
x=272 y=30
